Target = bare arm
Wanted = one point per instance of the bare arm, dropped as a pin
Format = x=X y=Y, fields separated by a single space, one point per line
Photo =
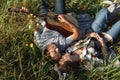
x=76 y=33
x=103 y=46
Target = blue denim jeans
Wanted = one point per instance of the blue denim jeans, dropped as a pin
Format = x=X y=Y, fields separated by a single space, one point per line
x=100 y=23
x=43 y=8
x=59 y=7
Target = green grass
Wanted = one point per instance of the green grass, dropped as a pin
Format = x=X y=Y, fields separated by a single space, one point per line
x=19 y=57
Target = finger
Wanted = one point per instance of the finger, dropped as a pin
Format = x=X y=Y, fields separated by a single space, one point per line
x=59 y=17
x=23 y=8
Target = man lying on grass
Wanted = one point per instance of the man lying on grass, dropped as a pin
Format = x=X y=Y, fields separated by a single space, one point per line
x=95 y=49
x=54 y=43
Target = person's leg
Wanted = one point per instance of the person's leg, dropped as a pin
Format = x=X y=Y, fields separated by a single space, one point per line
x=43 y=7
x=113 y=8
x=100 y=20
x=104 y=16
x=114 y=31
x=60 y=6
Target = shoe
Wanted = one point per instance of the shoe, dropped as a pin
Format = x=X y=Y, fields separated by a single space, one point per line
x=109 y=2
x=113 y=8
x=112 y=5
x=118 y=7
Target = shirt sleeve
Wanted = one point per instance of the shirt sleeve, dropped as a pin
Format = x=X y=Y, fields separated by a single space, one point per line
x=69 y=41
x=37 y=38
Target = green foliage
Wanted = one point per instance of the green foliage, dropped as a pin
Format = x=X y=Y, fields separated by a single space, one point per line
x=19 y=57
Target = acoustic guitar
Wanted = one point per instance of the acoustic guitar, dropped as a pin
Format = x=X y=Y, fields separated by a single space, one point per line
x=52 y=21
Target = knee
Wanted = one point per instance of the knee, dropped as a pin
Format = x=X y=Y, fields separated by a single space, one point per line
x=118 y=23
x=104 y=10
x=95 y=27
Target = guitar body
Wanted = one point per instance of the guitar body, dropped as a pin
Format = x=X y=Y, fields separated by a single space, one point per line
x=56 y=25
x=59 y=29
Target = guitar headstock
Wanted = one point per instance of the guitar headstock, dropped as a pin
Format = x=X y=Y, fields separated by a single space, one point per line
x=33 y=20
x=23 y=10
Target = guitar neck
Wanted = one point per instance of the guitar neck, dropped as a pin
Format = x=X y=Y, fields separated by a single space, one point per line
x=29 y=12
x=18 y=10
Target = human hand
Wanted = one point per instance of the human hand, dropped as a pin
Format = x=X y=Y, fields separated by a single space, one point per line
x=65 y=58
x=96 y=36
x=25 y=10
x=61 y=18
